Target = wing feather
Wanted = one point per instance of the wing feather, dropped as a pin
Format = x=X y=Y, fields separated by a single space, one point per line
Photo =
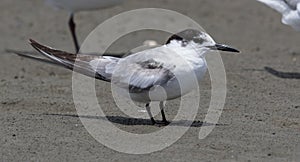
x=138 y=72
x=79 y=63
x=140 y=76
x=298 y=8
x=279 y=5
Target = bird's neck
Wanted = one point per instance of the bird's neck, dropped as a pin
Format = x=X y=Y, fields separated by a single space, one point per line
x=192 y=55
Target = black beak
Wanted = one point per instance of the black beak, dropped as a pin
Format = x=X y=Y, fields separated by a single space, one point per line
x=222 y=47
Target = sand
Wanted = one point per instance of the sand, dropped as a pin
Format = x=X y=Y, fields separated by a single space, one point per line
x=260 y=121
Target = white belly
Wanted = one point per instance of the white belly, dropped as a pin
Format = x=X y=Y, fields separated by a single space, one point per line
x=188 y=68
x=171 y=90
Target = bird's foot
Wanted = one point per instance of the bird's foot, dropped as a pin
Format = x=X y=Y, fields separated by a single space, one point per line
x=153 y=122
x=162 y=123
x=165 y=122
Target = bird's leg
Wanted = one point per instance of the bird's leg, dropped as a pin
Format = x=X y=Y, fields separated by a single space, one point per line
x=161 y=105
x=149 y=113
x=72 y=27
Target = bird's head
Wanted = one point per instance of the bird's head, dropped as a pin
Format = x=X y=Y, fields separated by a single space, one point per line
x=199 y=40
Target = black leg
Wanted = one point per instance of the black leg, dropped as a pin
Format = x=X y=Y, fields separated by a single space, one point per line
x=72 y=27
x=149 y=113
x=161 y=105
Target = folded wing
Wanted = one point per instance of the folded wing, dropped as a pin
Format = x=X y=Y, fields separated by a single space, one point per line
x=84 y=64
x=140 y=75
x=137 y=72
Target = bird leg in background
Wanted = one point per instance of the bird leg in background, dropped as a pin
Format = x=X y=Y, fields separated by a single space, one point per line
x=72 y=27
x=161 y=105
x=149 y=113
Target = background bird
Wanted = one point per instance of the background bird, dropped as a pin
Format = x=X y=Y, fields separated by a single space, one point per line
x=290 y=10
x=73 y=6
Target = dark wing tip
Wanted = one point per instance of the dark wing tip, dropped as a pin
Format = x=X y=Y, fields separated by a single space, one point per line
x=33 y=42
x=36 y=45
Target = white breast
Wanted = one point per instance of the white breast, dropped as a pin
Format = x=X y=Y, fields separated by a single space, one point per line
x=189 y=70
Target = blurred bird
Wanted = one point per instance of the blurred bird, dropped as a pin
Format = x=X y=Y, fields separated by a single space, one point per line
x=142 y=73
x=73 y=6
x=290 y=10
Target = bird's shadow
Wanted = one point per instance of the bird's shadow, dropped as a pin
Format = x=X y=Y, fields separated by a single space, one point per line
x=283 y=75
x=138 y=121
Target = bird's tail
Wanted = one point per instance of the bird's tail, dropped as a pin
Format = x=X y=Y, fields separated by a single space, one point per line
x=32 y=55
x=79 y=63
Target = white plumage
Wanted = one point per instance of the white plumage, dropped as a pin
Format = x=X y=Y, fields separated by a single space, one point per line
x=173 y=67
x=290 y=10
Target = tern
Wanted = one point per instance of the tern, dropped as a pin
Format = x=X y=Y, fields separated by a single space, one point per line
x=140 y=73
x=290 y=10
x=73 y=6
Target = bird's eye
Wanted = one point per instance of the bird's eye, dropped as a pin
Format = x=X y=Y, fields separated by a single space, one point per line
x=199 y=40
x=184 y=43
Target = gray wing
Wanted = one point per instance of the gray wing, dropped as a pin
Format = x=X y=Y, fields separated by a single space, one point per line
x=33 y=56
x=142 y=72
x=137 y=72
x=298 y=8
x=292 y=3
x=84 y=64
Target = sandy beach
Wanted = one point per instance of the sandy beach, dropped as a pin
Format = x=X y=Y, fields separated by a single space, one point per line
x=260 y=120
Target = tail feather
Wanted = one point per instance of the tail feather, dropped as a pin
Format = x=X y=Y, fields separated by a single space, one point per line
x=78 y=63
x=33 y=56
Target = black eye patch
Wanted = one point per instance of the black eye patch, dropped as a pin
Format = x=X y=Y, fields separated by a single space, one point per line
x=199 y=40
